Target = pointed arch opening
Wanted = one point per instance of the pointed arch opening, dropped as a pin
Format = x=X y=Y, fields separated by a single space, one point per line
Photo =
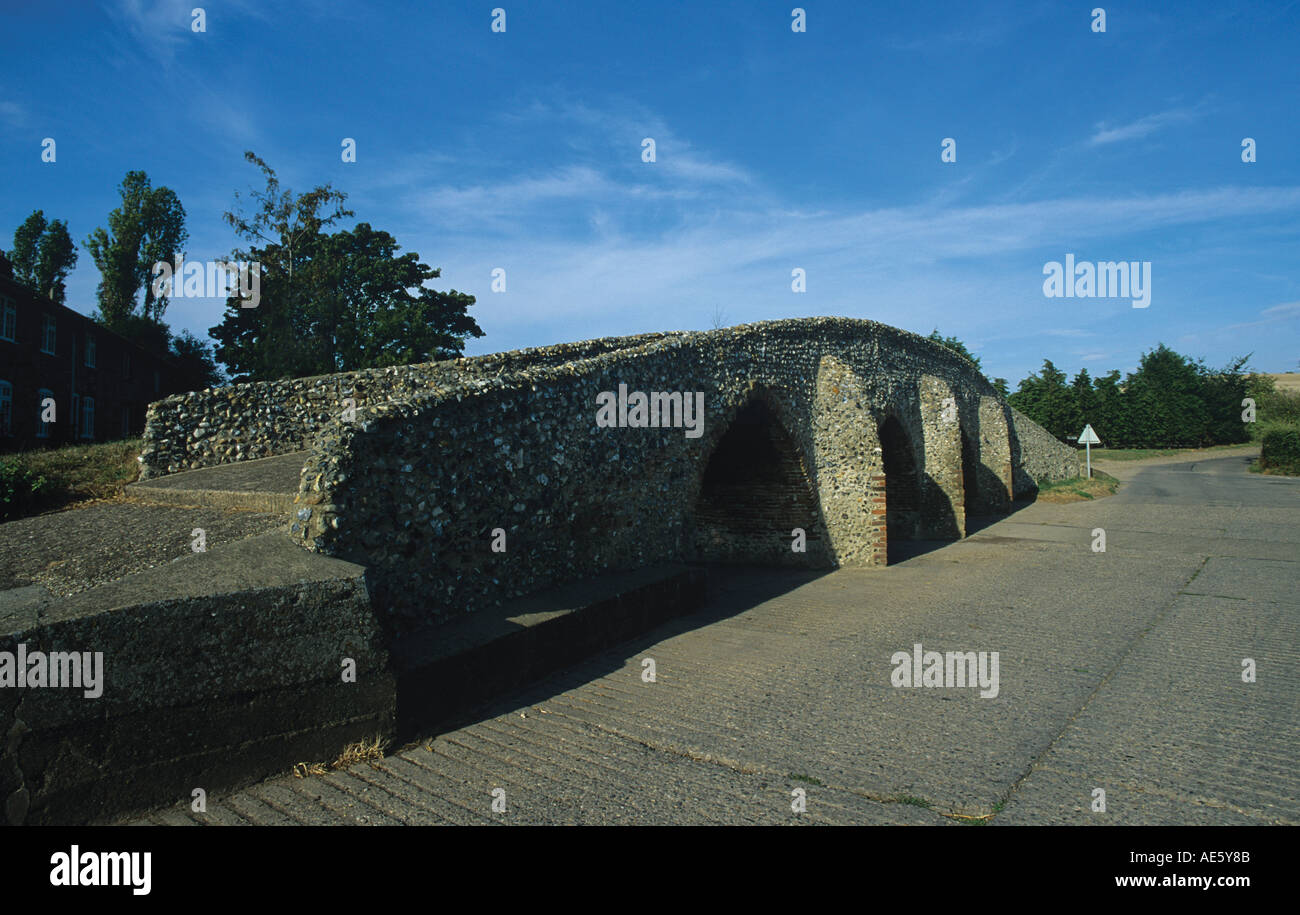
x=754 y=493
x=902 y=483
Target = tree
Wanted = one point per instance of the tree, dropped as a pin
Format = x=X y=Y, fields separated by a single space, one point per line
x=1046 y=399
x=27 y=239
x=953 y=344
x=1222 y=393
x=332 y=302
x=273 y=340
x=42 y=256
x=1000 y=384
x=196 y=362
x=1165 y=403
x=1084 y=401
x=1169 y=401
x=148 y=228
x=1112 y=424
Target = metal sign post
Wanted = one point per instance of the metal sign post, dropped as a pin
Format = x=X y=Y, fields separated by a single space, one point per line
x=1089 y=438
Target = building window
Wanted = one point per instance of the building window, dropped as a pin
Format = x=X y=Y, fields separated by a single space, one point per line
x=90 y=351
x=87 y=417
x=49 y=334
x=126 y=366
x=8 y=319
x=6 y=408
x=46 y=414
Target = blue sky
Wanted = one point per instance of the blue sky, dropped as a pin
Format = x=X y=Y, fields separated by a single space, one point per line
x=774 y=150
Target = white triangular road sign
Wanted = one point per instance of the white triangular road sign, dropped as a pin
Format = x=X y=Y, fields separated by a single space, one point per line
x=1088 y=437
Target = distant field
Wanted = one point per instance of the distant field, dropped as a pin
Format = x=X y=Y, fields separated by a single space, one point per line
x=1288 y=381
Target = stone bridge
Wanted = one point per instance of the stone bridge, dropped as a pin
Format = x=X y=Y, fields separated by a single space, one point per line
x=423 y=538
x=462 y=484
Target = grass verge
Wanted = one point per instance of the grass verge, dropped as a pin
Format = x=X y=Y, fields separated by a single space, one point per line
x=1079 y=489
x=45 y=479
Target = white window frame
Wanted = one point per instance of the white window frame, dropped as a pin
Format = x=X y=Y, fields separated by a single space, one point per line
x=87 y=417
x=8 y=319
x=42 y=427
x=6 y=408
x=49 y=334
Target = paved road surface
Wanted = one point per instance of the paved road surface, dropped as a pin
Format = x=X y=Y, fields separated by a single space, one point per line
x=1118 y=670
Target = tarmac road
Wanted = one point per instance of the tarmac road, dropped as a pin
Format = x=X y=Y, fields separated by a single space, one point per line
x=1118 y=670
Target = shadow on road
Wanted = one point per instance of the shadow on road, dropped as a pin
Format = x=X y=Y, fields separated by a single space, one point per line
x=732 y=589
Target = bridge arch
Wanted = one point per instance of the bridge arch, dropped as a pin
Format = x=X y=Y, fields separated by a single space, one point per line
x=902 y=473
x=754 y=489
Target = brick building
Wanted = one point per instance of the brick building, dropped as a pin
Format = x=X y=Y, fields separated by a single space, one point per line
x=66 y=379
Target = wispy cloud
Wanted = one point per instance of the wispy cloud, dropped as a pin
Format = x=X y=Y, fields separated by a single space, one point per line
x=1140 y=128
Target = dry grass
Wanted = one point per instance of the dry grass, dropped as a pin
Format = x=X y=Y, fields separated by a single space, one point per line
x=353 y=753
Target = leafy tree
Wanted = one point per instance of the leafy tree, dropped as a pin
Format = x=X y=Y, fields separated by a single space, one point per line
x=1083 y=401
x=1112 y=424
x=367 y=315
x=195 y=359
x=42 y=256
x=953 y=344
x=273 y=340
x=147 y=228
x=27 y=240
x=1045 y=398
x=1164 y=394
x=155 y=336
x=331 y=302
x=1169 y=401
x=1222 y=393
x=1002 y=388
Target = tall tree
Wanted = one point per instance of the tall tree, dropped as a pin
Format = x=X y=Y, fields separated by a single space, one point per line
x=284 y=230
x=42 y=255
x=27 y=240
x=1165 y=402
x=1112 y=424
x=331 y=302
x=148 y=228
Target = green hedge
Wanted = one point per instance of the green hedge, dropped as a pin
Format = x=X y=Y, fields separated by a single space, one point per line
x=1280 y=447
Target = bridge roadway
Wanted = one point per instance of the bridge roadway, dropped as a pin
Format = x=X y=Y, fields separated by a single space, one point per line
x=1118 y=670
